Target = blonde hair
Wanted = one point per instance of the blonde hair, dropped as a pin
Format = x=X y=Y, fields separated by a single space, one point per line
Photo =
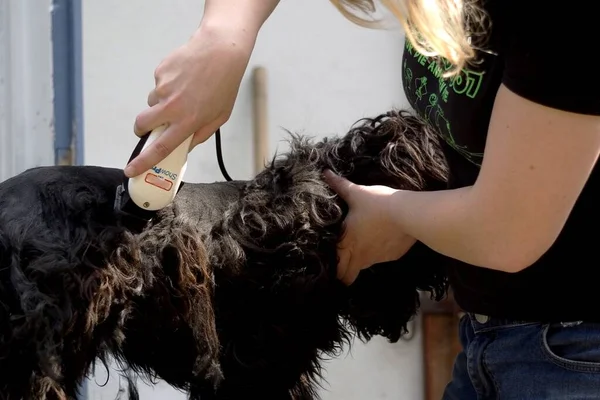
x=436 y=28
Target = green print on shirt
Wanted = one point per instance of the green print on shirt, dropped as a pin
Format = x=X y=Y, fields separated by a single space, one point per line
x=467 y=83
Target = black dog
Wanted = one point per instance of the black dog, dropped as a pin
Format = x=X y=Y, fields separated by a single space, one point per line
x=230 y=293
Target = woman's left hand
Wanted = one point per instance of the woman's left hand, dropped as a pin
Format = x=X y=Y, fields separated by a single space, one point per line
x=371 y=235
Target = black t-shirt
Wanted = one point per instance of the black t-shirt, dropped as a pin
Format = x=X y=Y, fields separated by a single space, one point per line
x=546 y=52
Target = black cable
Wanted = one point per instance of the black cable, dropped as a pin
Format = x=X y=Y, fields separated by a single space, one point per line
x=220 y=155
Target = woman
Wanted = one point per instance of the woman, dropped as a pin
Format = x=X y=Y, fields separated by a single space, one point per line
x=506 y=79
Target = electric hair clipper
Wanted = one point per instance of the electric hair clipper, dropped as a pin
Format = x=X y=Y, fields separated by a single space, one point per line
x=143 y=195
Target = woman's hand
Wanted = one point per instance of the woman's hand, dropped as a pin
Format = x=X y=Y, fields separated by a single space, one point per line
x=370 y=234
x=197 y=84
x=196 y=88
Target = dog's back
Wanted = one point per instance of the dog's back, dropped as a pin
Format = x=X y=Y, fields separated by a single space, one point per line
x=76 y=281
x=45 y=216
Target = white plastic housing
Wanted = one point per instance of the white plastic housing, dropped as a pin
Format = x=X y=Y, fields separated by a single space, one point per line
x=156 y=188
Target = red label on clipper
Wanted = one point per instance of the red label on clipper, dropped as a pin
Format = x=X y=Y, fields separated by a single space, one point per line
x=158 y=181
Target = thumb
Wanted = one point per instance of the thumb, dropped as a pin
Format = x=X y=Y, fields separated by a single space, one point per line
x=342 y=186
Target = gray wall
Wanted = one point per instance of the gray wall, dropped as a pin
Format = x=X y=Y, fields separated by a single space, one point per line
x=26 y=108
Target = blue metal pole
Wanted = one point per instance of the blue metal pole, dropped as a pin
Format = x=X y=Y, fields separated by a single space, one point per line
x=68 y=90
x=77 y=79
x=68 y=81
x=62 y=73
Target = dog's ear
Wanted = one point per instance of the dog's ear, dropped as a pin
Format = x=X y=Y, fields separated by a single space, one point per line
x=385 y=297
x=396 y=149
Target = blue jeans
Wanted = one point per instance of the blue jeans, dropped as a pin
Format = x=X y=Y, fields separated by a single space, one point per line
x=514 y=360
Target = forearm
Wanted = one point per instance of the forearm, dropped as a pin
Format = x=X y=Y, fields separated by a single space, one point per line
x=457 y=223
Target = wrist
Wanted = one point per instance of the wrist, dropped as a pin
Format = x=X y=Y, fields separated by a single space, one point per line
x=225 y=32
x=228 y=41
x=237 y=16
x=415 y=213
x=221 y=27
x=393 y=209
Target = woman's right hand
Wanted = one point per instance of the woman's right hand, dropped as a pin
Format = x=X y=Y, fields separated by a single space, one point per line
x=197 y=84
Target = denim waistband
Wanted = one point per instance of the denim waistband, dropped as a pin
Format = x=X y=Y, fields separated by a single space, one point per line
x=483 y=323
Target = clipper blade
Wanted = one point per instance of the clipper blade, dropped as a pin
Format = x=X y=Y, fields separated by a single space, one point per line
x=125 y=205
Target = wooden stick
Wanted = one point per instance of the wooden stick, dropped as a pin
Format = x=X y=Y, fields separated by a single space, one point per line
x=261 y=130
x=440 y=344
x=440 y=347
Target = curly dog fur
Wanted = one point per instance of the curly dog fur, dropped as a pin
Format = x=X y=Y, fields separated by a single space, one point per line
x=229 y=293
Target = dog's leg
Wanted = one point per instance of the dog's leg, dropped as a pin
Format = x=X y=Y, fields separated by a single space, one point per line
x=45 y=388
x=30 y=353
x=304 y=390
x=36 y=387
